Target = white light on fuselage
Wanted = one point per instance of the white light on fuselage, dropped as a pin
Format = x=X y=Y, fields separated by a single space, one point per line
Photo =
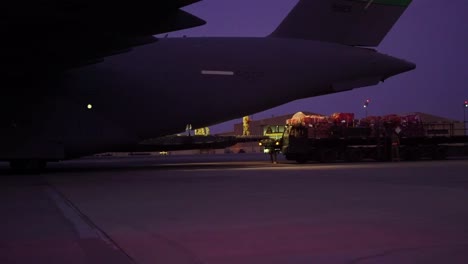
x=90 y=106
x=210 y=72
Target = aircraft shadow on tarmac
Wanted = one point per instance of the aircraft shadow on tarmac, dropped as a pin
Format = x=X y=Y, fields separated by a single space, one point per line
x=86 y=166
x=186 y=163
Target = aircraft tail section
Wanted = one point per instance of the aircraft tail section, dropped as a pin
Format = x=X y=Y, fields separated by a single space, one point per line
x=349 y=22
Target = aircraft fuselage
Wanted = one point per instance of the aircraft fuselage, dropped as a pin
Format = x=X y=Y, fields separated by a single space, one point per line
x=157 y=89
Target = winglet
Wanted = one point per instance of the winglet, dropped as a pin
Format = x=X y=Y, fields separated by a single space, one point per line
x=349 y=22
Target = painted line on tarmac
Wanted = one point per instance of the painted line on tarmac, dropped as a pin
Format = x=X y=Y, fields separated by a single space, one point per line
x=256 y=168
x=81 y=226
x=85 y=228
x=318 y=166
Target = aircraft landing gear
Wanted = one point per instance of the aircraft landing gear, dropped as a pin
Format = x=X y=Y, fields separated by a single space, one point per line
x=27 y=166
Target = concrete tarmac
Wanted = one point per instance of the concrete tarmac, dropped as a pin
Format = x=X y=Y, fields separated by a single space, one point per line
x=236 y=208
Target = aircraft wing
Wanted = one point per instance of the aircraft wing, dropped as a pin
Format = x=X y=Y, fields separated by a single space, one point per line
x=50 y=35
x=349 y=22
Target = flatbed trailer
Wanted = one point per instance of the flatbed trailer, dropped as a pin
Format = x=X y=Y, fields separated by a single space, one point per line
x=352 y=144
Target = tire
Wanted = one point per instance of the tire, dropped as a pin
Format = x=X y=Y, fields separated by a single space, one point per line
x=328 y=156
x=439 y=153
x=412 y=154
x=301 y=159
x=289 y=157
x=28 y=166
x=353 y=155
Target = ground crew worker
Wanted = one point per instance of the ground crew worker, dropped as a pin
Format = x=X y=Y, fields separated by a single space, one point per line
x=272 y=147
x=245 y=126
x=273 y=156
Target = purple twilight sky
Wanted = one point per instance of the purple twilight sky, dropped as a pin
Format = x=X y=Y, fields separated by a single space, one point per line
x=431 y=33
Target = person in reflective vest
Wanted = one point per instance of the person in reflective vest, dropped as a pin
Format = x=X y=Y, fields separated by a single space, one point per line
x=395 y=146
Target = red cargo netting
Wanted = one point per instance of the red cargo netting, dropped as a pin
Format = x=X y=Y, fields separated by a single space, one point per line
x=320 y=129
x=296 y=119
x=342 y=119
x=305 y=120
x=370 y=121
x=392 y=120
x=407 y=126
x=412 y=126
x=319 y=126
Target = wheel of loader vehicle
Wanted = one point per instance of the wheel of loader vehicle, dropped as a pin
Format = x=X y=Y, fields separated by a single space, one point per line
x=301 y=159
x=416 y=154
x=353 y=155
x=289 y=157
x=412 y=153
x=328 y=155
x=27 y=166
x=439 y=153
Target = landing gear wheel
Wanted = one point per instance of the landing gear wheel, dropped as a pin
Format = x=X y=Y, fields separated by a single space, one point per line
x=27 y=166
